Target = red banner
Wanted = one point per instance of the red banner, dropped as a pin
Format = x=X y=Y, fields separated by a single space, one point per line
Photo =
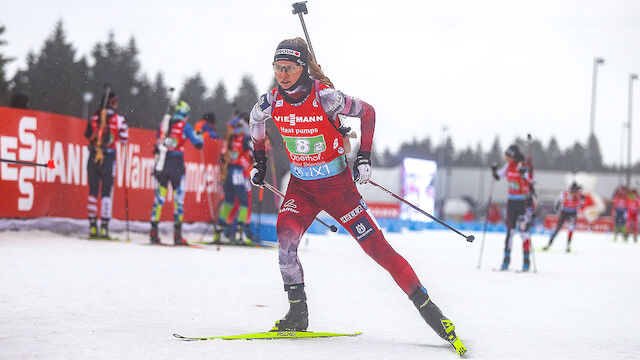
x=602 y=224
x=29 y=192
x=384 y=210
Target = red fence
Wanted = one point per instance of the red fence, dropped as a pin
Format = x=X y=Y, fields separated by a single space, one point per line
x=602 y=224
x=28 y=192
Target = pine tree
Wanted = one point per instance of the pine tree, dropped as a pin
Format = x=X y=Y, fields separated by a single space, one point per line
x=574 y=159
x=594 y=153
x=119 y=67
x=468 y=157
x=4 y=84
x=157 y=104
x=480 y=156
x=538 y=155
x=54 y=80
x=220 y=105
x=136 y=91
x=247 y=95
x=193 y=92
x=495 y=154
x=553 y=154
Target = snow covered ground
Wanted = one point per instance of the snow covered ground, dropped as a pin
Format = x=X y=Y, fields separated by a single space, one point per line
x=66 y=298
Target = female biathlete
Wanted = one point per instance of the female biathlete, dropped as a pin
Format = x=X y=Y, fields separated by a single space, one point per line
x=519 y=203
x=305 y=109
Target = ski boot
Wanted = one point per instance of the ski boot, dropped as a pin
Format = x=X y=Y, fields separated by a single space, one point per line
x=568 y=249
x=104 y=229
x=226 y=233
x=506 y=261
x=297 y=318
x=252 y=239
x=177 y=234
x=217 y=233
x=436 y=320
x=236 y=235
x=93 y=228
x=525 y=262
x=153 y=234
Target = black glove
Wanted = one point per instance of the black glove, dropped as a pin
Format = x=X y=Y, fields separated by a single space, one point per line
x=362 y=167
x=155 y=150
x=199 y=145
x=259 y=168
x=523 y=170
x=494 y=171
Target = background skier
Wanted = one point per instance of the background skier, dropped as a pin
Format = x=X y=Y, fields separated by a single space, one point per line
x=519 y=211
x=569 y=203
x=173 y=171
x=105 y=128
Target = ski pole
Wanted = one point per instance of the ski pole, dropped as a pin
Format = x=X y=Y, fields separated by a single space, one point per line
x=533 y=193
x=49 y=164
x=209 y=202
x=260 y=198
x=469 y=238
x=333 y=228
x=486 y=221
x=126 y=191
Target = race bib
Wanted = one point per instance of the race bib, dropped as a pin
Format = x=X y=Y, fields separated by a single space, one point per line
x=305 y=145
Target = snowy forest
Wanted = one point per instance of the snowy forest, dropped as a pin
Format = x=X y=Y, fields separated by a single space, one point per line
x=56 y=79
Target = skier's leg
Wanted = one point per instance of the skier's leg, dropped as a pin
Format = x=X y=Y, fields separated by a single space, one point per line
x=178 y=185
x=354 y=214
x=365 y=229
x=296 y=214
x=224 y=218
x=108 y=173
x=561 y=221
x=156 y=210
x=572 y=227
x=507 y=248
x=513 y=212
x=243 y=213
x=525 y=234
x=627 y=230
x=92 y=199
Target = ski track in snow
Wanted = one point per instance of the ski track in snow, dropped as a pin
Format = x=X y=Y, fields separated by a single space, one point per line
x=66 y=298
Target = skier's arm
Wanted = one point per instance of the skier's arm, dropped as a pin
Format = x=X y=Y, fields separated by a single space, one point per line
x=213 y=134
x=502 y=171
x=334 y=102
x=525 y=173
x=191 y=135
x=88 y=131
x=558 y=202
x=258 y=117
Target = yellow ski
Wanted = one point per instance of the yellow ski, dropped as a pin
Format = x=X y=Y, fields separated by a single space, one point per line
x=271 y=335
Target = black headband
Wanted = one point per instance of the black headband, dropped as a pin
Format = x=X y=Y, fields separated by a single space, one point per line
x=291 y=52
